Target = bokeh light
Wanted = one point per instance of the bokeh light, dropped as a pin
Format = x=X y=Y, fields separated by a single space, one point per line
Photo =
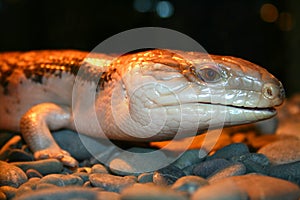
x=164 y=9
x=268 y=13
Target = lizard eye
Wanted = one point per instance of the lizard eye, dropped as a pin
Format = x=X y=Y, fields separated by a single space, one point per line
x=208 y=74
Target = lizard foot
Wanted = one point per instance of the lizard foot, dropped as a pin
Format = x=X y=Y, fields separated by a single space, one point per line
x=59 y=154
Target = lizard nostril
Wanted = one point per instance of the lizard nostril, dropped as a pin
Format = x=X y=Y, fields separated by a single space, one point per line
x=271 y=91
x=274 y=91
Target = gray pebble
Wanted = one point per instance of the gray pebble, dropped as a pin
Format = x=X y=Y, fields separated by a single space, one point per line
x=98 y=168
x=150 y=192
x=282 y=151
x=229 y=151
x=190 y=157
x=222 y=190
x=189 y=169
x=145 y=177
x=167 y=175
x=68 y=139
x=33 y=173
x=61 y=193
x=254 y=162
x=30 y=185
x=110 y=182
x=45 y=186
x=207 y=168
x=47 y=166
x=62 y=180
x=83 y=175
x=19 y=155
x=250 y=186
x=290 y=172
x=235 y=169
x=11 y=175
x=136 y=161
x=9 y=191
x=189 y=184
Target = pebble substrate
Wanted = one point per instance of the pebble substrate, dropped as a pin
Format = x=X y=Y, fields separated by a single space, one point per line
x=244 y=164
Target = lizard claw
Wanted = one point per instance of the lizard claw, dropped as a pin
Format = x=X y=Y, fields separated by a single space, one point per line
x=63 y=156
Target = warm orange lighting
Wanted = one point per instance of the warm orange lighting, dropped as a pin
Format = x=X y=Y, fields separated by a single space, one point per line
x=268 y=13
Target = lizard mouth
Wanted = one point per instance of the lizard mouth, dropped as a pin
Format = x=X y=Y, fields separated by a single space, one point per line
x=270 y=109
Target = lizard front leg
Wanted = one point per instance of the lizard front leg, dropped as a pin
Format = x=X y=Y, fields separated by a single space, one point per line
x=35 y=126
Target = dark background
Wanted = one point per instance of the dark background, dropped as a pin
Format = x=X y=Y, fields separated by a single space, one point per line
x=231 y=27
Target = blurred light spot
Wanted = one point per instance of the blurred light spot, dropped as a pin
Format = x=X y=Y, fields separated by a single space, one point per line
x=164 y=9
x=268 y=12
x=285 y=21
x=142 y=5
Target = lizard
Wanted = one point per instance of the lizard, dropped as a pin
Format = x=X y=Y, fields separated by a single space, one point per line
x=150 y=95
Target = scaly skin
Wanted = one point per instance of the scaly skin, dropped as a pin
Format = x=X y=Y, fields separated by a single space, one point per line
x=148 y=96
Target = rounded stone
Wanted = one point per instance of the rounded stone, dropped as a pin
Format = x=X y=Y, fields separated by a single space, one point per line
x=189 y=184
x=250 y=186
x=167 y=175
x=229 y=151
x=290 y=172
x=98 y=168
x=19 y=155
x=207 y=168
x=254 y=162
x=83 y=175
x=235 y=169
x=62 y=180
x=47 y=166
x=11 y=175
x=110 y=182
x=150 y=191
x=71 y=192
x=136 y=161
x=190 y=157
x=30 y=185
x=68 y=139
x=282 y=151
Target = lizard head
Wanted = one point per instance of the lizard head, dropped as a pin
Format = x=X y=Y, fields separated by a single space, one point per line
x=160 y=93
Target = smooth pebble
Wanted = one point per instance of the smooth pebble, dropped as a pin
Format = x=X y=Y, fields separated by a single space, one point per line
x=150 y=192
x=206 y=168
x=189 y=184
x=62 y=180
x=229 y=151
x=282 y=151
x=47 y=166
x=110 y=182
x=235 y=169
x=190 y=157
x=254 y=162
x=73 y=192
x=167 y=175
x=11 y=175
x=290 y=172
x=250 y=186
x=136 y=161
